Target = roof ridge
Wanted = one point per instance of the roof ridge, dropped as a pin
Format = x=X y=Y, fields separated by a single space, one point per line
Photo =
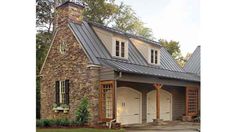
x=143 y=65
x=123 y=32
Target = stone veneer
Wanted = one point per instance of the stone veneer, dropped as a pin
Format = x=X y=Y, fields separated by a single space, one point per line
x=84 y=81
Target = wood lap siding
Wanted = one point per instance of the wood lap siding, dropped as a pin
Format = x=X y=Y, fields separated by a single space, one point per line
x=178 y=98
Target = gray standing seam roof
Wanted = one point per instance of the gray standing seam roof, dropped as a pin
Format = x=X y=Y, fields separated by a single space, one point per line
x=193 y=64
x=136 y=63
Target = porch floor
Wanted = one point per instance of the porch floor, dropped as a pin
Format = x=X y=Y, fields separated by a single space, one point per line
x=176 y=126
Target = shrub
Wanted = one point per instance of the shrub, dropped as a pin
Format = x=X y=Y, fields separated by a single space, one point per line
x=39 y=123
x=82 y=113
x=63 y=122
x=45 y=123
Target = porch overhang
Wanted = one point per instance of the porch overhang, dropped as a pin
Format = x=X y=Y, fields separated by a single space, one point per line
x=131 y=77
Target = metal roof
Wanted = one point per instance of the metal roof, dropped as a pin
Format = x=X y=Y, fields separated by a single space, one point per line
x=118 y=31
x=136 y=63
x=147 y=70
x=193 y=64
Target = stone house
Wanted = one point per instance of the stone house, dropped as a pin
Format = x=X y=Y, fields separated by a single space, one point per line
x=125 y=77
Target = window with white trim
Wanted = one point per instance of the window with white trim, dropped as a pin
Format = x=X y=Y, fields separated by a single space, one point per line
x=62 y=92
x=120 y=48
x=154 y=57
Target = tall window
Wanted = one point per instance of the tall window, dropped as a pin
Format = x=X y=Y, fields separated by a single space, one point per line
x=120 y=49
x=117 y=48
x=107 y=100
x=154 y=56
x=62 y=92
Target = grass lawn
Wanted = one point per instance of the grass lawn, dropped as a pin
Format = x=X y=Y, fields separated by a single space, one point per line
x=78 y=130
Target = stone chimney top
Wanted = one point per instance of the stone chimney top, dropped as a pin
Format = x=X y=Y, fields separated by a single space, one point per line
x=69 y=11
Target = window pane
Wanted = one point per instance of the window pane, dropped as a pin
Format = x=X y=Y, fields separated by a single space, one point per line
x=122 y=49
x=151 y=56
x=107 y=102
x=155 y=56
x=117 y=48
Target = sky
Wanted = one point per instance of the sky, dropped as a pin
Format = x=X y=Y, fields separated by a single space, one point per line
x=177 y=20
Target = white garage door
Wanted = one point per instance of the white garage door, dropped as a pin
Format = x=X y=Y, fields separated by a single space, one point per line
x=165 y=105
x=128 y=106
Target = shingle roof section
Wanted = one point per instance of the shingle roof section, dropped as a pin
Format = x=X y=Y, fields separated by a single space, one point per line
x=193 y=64
x=136 y=63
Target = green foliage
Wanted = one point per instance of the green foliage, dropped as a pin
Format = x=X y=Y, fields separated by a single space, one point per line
x=100 y=11
x=127 y=20
x=43 y=40
x=78 y=130
x=53 y=122
x=82 y=113
x=45 y=123
x=44 y=14
x=172 y=47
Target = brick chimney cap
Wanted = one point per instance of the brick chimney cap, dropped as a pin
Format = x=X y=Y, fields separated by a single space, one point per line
x=71 y=3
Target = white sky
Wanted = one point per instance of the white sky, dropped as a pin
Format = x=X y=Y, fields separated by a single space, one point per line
x=171 y=20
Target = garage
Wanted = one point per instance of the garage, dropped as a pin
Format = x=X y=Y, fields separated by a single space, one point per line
x=129 y=106
x=165 y=105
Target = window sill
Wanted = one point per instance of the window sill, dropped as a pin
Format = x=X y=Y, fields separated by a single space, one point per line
x=57 y=109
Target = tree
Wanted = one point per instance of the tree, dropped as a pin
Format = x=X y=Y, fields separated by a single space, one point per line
x=127 y=20
x=44 y=15
x=172 y=47
x=100 y=11
x=43 y=40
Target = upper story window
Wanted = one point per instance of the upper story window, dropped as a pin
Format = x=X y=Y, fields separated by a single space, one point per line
x=120 y=48
x=154 y=56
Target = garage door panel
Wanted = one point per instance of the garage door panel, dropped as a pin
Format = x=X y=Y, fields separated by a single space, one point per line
x=128 y=106
x=165 y=105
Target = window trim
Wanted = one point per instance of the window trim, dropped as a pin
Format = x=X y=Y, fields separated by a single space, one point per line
x=154 y=58
x=62 y=91
x=102 y=115
x=125 y=49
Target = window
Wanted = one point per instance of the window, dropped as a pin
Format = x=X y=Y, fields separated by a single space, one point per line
x=62 y=92
x=106 y=100
x=120 y=49
x=117 y=48
x=154 y=56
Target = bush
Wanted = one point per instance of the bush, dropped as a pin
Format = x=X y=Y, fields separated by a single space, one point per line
x=82 y=113
x=45 y=123
x=52 y=122
x=63 y=122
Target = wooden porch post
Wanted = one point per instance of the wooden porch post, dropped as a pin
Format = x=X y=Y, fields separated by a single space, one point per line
x=158 y=87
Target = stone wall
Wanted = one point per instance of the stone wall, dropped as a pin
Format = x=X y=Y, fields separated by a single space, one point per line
x=84 y=82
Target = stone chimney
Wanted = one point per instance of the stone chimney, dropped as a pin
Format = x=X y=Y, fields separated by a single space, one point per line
x=69 y=11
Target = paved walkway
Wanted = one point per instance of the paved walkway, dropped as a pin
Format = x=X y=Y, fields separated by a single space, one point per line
x=173 y=126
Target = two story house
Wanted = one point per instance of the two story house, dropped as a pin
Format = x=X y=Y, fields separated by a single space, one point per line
x=125 y=77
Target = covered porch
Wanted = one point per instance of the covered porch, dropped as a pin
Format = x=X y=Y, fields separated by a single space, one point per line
x=132 y=99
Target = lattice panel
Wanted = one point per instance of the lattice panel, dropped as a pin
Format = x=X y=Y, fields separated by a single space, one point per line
x=192 y=101
x=106 y=100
